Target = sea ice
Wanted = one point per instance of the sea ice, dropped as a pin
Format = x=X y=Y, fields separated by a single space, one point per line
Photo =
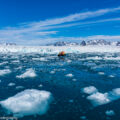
x=101 y=73
x=29 y=73
x=40 y=59
x=89 y=90
x=28 y=102
x=19 y=87
x=11 y=84
x=4 y=72
x=116 y=91
x=69 y=75
x=56 y=50
x=52 y=72
x=110 y=112
x=99 y=98
x=3 y=63
x=111 y=76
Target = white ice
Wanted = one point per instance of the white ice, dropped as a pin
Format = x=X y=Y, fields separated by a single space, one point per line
x=69 y=75
x=116 y=91
x=29 y=73
x=28 y=102
x=19 y=87
x=99 y=98
x=56 y=50
x=11 y=84
x=89 y=90
x=3 y=63
x=110 y=112
x=101 y=73
x=4 y=72
x=40 y=59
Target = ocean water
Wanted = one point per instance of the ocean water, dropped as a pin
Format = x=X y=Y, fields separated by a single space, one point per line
x=79 y=86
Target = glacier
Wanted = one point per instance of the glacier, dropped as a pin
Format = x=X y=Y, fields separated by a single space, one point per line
x=57 y=49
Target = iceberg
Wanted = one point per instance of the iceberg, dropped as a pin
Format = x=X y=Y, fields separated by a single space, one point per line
x=28 y=102
x=4 y=72
x=98 y=98
x=89 y=90
x=29 y=73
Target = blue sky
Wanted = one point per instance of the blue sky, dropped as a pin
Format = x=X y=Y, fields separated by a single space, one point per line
x=35 y=22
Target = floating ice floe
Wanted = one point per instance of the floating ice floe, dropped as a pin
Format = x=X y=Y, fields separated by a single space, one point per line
x=29 y=73
x=40 y=85
x=98 y=98
x=4 y=72
x=40 y=59
x=110 y=112
x=52 y=72
x=69 y=75
x=19 y=87
x=28 y=102
x=83 y=118
x=89 y=90
x=116 y=91
x=15 y=61
x=3 y=63
x=111 y=76
x=11 y=84
x=101 y=73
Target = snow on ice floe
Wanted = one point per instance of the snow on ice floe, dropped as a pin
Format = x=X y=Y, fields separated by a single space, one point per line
x=97 y=98
x=28 y=102
x=40 y=59
x=116 y=91
x=11 y=84
x=69 y=75
x=111 y=76
x=110 y=113
x=3 y=63
x=89 y=90
x=101 y=73
x=4 y=72
x=19 y=87
x=29 y=73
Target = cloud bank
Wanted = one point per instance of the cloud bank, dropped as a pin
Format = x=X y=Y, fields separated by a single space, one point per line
x=42 y=32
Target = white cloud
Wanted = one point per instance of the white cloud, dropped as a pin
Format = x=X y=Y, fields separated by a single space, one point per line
x=40 y=32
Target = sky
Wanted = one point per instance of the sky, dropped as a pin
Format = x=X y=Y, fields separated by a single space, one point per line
x=40 y=22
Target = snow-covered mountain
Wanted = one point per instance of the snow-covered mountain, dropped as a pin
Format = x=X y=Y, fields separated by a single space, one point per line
x=98 y=42
x=7 y=44
x=83 y=43
x=62 y=43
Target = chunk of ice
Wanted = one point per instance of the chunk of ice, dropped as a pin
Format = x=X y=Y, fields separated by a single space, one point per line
x=28 y=102
x=101 y=73
x=110 y=112
x=89 y=90
x=11 y=84
x=116 y=91
x=69 y=75
x=99 y=98
x=4 y=72
x=19 y=87
x=29 y=73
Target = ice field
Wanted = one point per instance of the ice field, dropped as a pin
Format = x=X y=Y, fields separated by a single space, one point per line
x=36 y=84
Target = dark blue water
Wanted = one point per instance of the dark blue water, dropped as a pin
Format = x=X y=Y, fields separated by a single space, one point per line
x=69 y=102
